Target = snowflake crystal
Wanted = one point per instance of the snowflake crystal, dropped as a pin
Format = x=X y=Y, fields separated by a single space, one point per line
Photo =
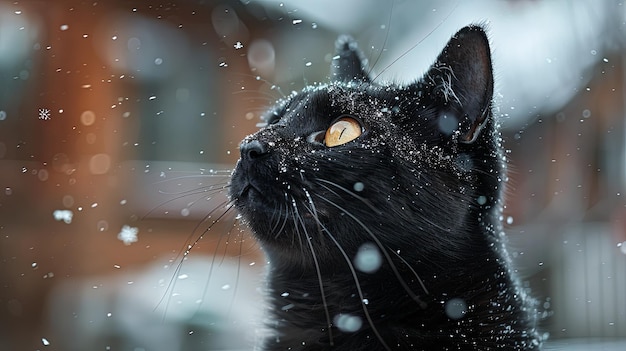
x=128 y=234
x=44 y=114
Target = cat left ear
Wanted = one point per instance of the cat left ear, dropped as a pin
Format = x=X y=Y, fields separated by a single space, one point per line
x=348 y=64
x=463 y=83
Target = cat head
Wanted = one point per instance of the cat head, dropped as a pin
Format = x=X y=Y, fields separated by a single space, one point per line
x=355 y=161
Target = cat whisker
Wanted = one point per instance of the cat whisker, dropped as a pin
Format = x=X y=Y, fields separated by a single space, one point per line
x=265 y=81
x=382 y=48
x=228 y=204
x=296 y=221
x=357 y=283
x=183 y=194
x=351 y=193
x=317 y=267
x=275 y=219
x=444 y=20
x=283 y=224
x=212 y=174
x=213 y=187
x=186 y=250
x=366 y=202
x=383 y=249
x=213 y=258
x=413 y=271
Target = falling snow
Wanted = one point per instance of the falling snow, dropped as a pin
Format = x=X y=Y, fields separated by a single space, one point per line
x=456 y=308
x=448 y=123
x=128 y=234
x=368 y=259
x=622 y=247
x=348 y=323
x=44 y=114
x=63 y=215
x=481 y=200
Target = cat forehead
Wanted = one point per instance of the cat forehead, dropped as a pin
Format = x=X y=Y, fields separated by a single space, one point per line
x=339 y=97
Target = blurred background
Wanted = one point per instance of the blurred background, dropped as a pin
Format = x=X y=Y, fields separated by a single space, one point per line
x=119 y=125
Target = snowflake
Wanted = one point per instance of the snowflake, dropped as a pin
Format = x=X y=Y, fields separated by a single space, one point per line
x=63 y=215
x=128 y=234
x=44 y=114
x=238 y=45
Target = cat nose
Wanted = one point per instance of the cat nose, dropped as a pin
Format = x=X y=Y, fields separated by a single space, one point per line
x=253 y=149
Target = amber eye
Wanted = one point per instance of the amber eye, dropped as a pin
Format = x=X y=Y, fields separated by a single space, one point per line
x=344 y=129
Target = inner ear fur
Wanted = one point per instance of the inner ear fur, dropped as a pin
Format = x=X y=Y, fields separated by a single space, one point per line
x=463 y=80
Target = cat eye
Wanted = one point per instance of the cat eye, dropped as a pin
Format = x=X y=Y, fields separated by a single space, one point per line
x=343 y=130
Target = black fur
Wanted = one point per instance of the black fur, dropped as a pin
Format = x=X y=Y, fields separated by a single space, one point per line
x=420 y=190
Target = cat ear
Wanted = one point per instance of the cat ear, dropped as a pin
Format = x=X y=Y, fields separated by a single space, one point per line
x=462 y=80
x=348 y=64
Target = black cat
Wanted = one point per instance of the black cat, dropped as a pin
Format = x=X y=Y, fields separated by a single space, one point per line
x=378 y=209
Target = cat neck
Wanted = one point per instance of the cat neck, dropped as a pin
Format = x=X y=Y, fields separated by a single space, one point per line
x=469 y=302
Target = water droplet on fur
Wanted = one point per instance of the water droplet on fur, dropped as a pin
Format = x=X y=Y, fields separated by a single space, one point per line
x=481 y=200
x=456 y=308
x=358 y=186
x=448 y=123
x=368 y=259
x=464 y=162
x=348 y=323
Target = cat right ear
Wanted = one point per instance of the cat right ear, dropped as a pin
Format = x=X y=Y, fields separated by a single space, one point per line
x=348 y=64
x=462 y=83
